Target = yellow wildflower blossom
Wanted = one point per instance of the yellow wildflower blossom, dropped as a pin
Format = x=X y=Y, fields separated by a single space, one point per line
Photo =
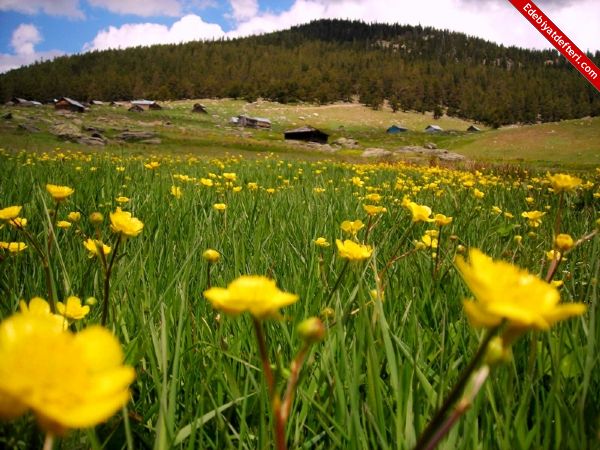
x=13 y=247
x=123 y=223
x=10 y=212
x=352 y=251
x=18 y=222
x=255 y=294
x=564 y=242
x=219 y=206
x=59 y=193
x=72 y=309
x=74 y=216
x=68 y=380
x=420 y=213
x=63 y=224
x=152 y=165
x=322 y=242
x=506 y=292
x=352 y=227
x=93 y=246
x=441 y=220
x=563 y=183
x=372 y=210
x=176 y=192
x=534 y=218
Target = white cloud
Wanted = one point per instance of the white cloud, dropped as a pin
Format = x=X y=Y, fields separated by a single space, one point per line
x=188 y=28
x=24 y=38
x=145 y=8
x=68 y=8
x=23 y=41
x=244 y=9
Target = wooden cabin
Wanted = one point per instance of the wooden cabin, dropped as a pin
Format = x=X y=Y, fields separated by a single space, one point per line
x=68 y=104
x=308 y=134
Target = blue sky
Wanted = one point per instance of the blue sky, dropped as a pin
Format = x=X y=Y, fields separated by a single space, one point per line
x=41 y=29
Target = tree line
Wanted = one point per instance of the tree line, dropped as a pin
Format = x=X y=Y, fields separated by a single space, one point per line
x=411 y=67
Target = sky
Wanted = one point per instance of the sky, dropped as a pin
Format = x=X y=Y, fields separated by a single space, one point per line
x=33 y=30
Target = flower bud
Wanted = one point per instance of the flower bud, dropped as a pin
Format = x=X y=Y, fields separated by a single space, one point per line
x=564 y=242
x=212 y=256
x=496 y=352
x=96 y=218
x=311 y=330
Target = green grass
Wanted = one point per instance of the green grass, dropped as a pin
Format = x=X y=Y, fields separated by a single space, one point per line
x=383 y=368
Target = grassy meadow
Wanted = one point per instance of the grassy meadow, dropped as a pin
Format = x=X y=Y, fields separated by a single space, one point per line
x=397 y=337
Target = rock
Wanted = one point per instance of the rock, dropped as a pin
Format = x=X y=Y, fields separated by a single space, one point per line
x=346 y=142
x=29 y=128
x=430 y=146
x=153 y=141
x=132 y=136
x=93 y=129
x=66 y=131
x=376 y=153
x=91 y=140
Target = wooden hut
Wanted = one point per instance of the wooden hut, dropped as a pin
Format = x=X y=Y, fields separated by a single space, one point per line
x=253 y=122
x=146 y=104
x=473 y=129
x=68 y=104
x=199 y=108
x=433 y=129
x=308 y=134
x=136 y=108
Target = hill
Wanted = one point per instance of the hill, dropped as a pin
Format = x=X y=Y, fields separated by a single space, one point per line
x=414 y=68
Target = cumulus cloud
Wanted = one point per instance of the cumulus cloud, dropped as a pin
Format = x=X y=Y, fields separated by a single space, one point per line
x=68 y=8
x=188 y=28
x=23 y=41
x=145 y=8
x=243 y=9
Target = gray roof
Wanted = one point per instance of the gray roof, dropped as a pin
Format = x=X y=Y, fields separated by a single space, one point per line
x=143 y=102
x=303 y=130
x=434 y=127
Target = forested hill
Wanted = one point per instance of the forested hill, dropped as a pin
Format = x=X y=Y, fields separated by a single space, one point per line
x=412 y=67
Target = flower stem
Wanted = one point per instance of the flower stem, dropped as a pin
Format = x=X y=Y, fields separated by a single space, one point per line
x=438 y=420
x=107 y=282
x=338 y=281
x=290 y=391
x=48 y=442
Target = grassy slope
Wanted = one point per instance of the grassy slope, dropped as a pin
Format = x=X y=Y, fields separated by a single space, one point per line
x=570 y=143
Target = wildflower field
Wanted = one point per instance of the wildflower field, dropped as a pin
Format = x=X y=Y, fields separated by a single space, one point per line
x=181 y=302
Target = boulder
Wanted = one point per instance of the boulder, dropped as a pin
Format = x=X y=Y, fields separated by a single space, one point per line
x=376 y=153
x=66 y=131
x=29 y=128
x=430 y=146
x=91 y=140
x=132 y=136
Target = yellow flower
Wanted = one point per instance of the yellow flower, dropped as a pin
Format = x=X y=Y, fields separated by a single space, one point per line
x=270 y=191
x=322 y=242
x=252 y=186
x=371 y=210
x=311 y=330
x=534 y=218
x=429 y=241
x=352 y=227
x=63 y=224
x=72 y=309
x=152 y=165
x=219 y=206
x=74 y=216
x=13 y=247
x=230 y=176
x=551 y=255
x=375 y=198
x=18 y=222
x=59 y=193
x=123 y=223
x=506 y=292
x=212 y=256
x=68 y=380
x=477 y=193
x=122 y=199
x=176 y=192
x=564 y=242
x=206 y=182
x=255 y=294
x=441 y=220
x=11 y=212
x=352 y=251
x=496 y=210
x=420 y=213
x=40 y=307
x=93 y=246
x=562 y=182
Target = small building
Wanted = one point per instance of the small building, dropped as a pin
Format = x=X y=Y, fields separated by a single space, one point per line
x=146 y=104
x=199 y=108
x=253 y=122
x=308 y=134
x=433 y=129
x=68 y=104
x=395 y=129
x=18 y=101
x=136 y=108
x=473 y=129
